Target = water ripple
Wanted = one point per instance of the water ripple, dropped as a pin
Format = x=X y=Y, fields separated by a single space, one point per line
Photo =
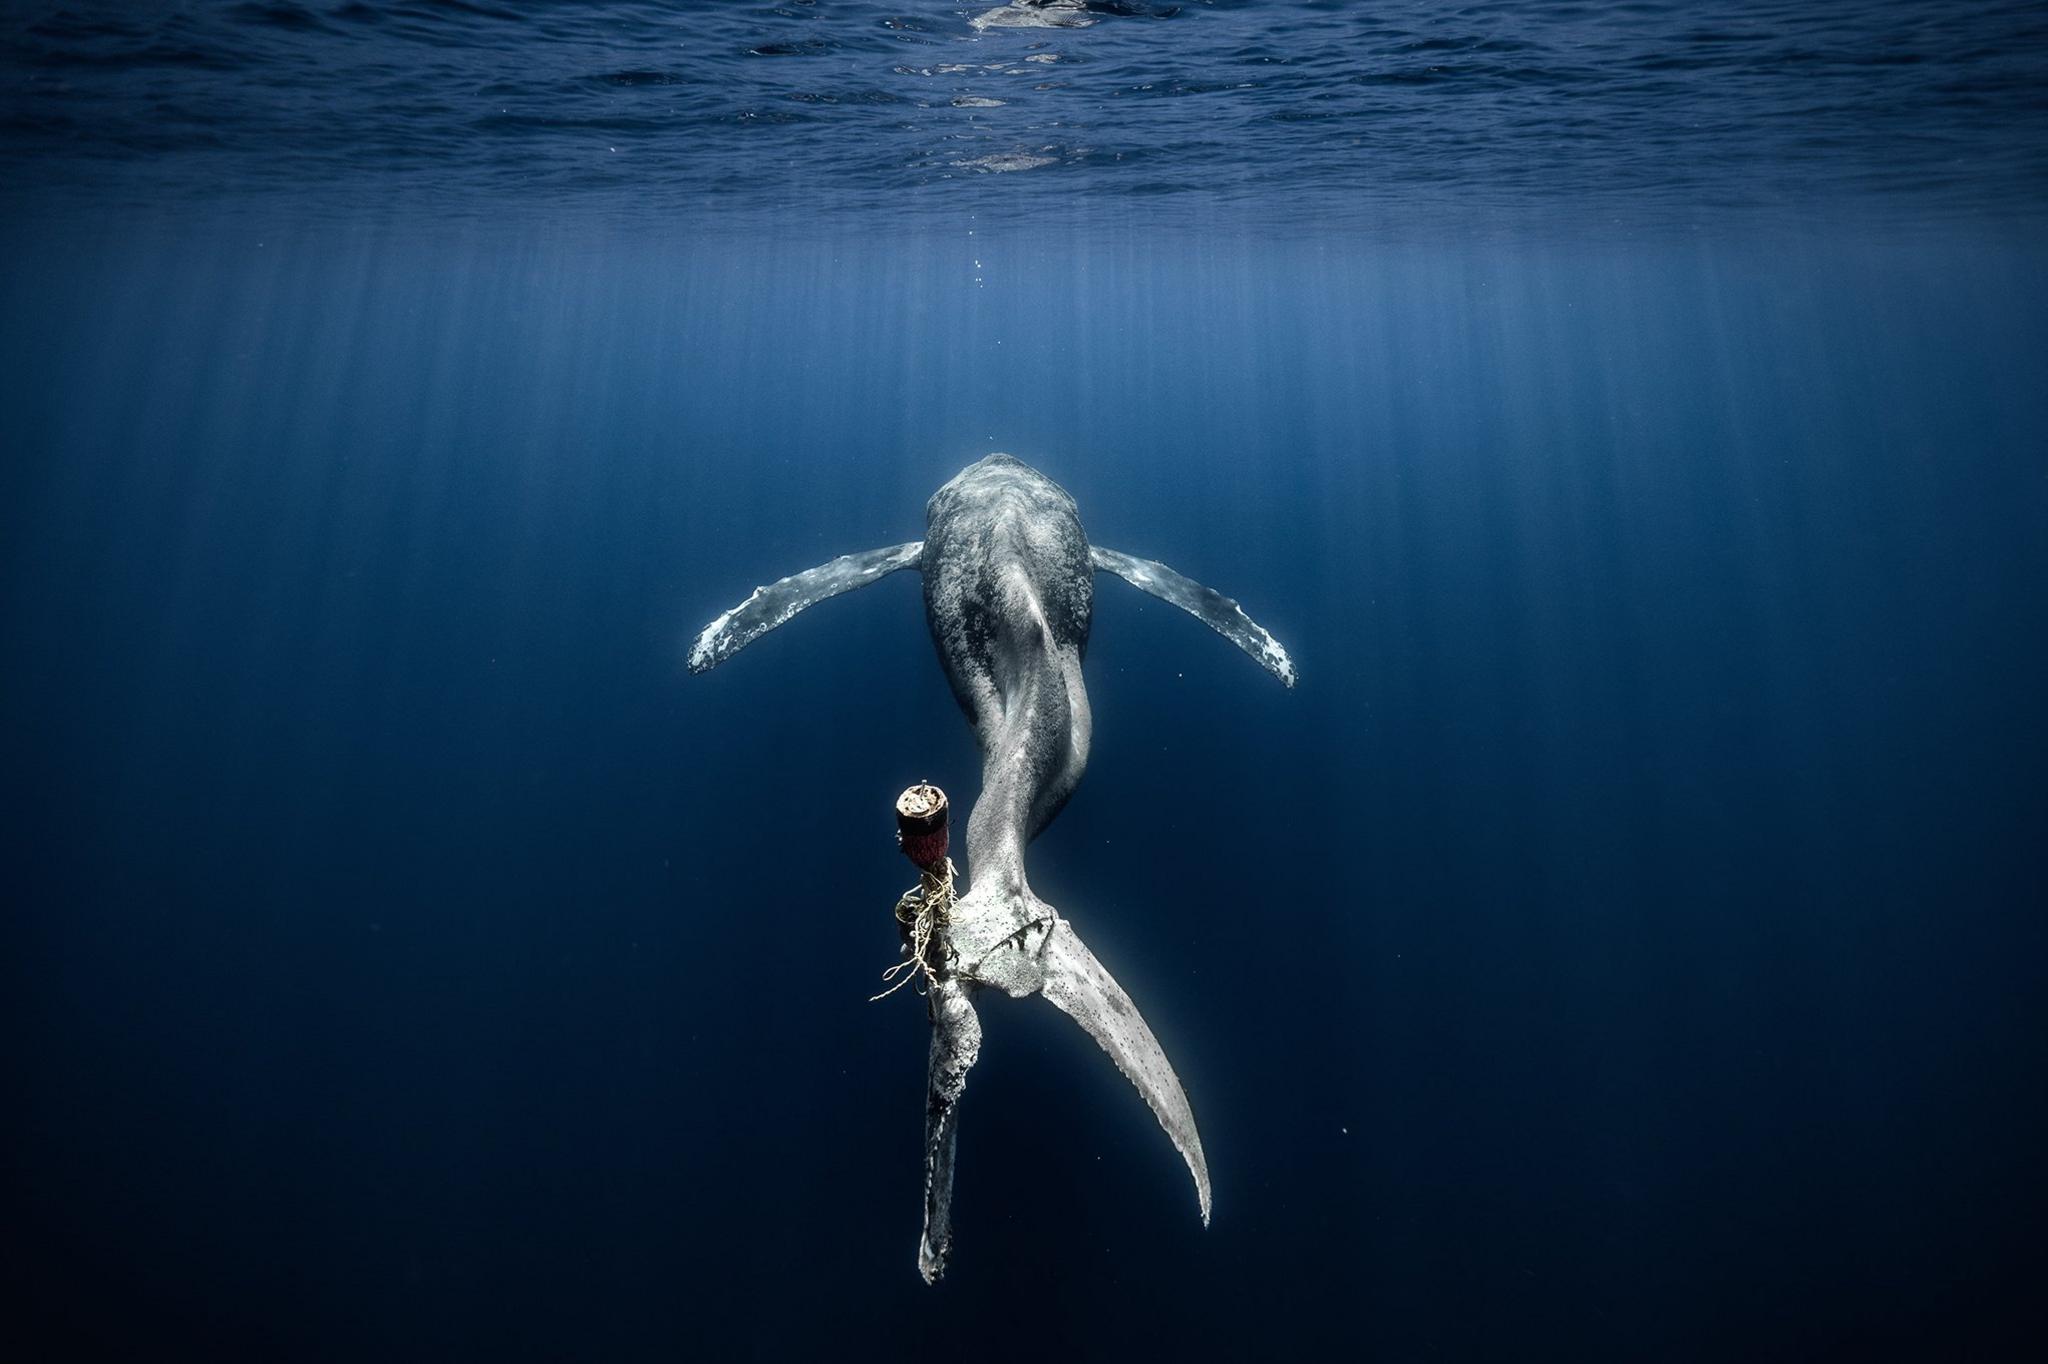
x=903 y=107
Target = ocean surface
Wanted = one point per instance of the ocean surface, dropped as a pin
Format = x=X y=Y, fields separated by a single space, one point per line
x=1626 y=943
x=1424 y=116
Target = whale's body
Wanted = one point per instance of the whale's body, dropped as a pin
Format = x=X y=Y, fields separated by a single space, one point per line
x=1009 y=593
x=1009 y=588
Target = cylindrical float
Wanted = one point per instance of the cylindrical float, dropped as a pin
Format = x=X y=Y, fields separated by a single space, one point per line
x=921 y=825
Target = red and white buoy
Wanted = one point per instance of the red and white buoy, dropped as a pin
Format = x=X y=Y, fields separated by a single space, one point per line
x=921 y=826
x=925 y=908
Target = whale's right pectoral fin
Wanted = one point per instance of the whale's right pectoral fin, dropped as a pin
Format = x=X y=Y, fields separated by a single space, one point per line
x=1205 y=604
x=770 y=606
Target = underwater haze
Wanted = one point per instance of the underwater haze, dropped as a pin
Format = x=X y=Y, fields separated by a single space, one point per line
x=1625 y=943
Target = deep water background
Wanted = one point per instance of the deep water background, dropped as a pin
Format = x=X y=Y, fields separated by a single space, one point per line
x=1626 y=942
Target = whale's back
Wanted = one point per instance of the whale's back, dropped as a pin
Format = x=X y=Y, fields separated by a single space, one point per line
x=1007 y=578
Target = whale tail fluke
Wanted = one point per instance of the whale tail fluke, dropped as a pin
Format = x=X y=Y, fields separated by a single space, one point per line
x=1016 y=943
x=956 y=1041
x=1078 y=986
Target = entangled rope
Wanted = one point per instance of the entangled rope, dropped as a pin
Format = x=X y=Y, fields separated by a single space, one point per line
x=924 y=909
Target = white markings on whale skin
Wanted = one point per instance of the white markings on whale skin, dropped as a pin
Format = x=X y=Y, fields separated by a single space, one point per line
x=1000 y=163
x=1038 y=14
x=705 y=652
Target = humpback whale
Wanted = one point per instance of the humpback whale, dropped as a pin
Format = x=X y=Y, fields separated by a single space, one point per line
x=1009 y=593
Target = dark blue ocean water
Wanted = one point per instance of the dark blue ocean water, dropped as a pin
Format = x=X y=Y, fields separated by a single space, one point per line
x=1626 y=943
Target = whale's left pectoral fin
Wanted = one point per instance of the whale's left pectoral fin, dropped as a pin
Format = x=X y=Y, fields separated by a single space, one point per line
x=1078 y=985
x=1206 y=604
x=770 y=606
